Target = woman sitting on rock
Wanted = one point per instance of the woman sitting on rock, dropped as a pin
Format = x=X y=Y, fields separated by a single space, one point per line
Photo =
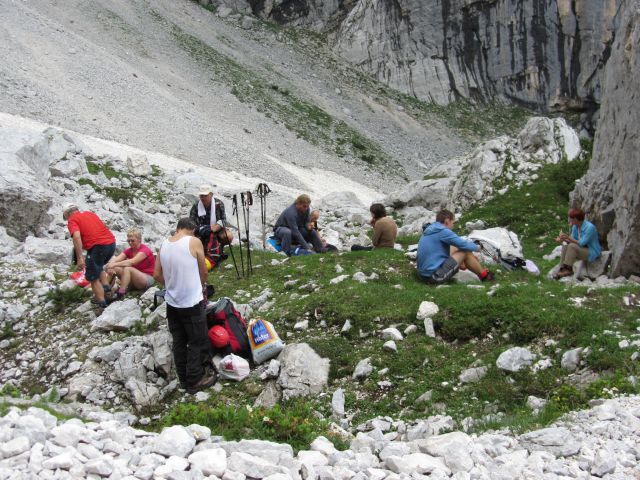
x=582 y=244
x=133 y=267
x=385 y=229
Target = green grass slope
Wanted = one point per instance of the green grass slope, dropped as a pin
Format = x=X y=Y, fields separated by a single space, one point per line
x=475 y=325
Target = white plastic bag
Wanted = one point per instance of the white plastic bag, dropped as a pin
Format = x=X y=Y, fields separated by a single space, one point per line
x=265 y=342
x=531 y=267
x=234 y=367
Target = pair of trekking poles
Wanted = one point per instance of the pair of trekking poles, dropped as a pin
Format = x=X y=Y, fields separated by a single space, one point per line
x=244 y=205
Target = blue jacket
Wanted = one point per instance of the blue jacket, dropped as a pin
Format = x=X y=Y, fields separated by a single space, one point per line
x=587 y=236
x=435 y=245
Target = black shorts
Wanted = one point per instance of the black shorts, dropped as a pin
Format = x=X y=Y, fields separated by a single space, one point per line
x=96 y=259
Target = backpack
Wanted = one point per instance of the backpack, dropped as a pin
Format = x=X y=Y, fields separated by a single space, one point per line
x=508 y=262
x=224 y=313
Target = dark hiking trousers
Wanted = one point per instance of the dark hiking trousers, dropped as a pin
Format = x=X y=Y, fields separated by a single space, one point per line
x=188 y=327
x=284 y=235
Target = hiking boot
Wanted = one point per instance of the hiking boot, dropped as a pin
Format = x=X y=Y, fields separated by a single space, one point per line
x=205 y=382
x=564 y=272
x=489 y=277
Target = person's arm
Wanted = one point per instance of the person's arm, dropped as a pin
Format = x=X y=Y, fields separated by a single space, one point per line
x=587 y=237
x=291 y=219
x=157 y=271
x=570 y=238
x=451 y=238
x=114 y=262
x=128 y=262
x=77 y=247
x=221 y=216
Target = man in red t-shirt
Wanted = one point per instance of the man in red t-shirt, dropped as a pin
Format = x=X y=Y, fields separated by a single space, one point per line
x=90 y=234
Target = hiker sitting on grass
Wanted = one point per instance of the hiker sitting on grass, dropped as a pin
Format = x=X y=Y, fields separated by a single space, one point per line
x=134 y=266
x=582 y=244
x=385 y=229
x=441 y=252
x=294 y=227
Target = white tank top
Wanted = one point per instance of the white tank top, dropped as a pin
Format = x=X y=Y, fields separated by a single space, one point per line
x=181 y=274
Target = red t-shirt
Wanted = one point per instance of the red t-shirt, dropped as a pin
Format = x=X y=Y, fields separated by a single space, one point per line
x=148 y=264
x=92 y=231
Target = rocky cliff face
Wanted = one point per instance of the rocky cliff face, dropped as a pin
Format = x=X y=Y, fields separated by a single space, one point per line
x=540 y=53
x=546 y=54
x=609 y=192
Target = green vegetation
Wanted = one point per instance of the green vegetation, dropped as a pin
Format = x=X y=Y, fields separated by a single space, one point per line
x=141 y=188
x=293 y=423
x=69 y=298
x=536 y=212
x=521 y=310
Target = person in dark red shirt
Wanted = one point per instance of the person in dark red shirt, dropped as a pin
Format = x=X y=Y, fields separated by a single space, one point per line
x=90 y=234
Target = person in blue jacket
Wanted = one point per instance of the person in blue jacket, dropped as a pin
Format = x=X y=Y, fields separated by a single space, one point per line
x=582 y=244
x=438 y=262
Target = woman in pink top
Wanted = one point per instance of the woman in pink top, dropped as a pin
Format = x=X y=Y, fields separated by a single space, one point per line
x=134 y=267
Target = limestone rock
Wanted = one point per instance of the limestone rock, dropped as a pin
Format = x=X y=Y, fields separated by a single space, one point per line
x=609 y=191
x=515 y=359
x=363 y=369
x=302 y=371
x=176 y=440
x=48 y=250
x=409 y=45
x=427 y=310
x=138 y=165
x=119 y=316
x=142 y=394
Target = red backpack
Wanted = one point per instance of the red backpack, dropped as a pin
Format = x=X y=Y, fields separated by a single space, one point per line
x=224 y=313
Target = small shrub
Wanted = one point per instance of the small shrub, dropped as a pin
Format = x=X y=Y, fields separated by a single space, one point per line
x=294 y=423
x=9 y=390
x=62 y=299
x=567 y=397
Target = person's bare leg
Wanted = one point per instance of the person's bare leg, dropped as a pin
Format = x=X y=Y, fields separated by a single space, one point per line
x=138 y=279
x=453 y=250
x=98 y=290
x=473 y=264
x=125 y=278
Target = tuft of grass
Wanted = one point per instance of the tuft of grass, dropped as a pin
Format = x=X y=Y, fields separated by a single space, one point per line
x=65 y=299
x=294 y=423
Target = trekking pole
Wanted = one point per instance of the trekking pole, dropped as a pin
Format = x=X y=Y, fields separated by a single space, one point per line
x=263 y=190
x=235 y=210
x=233 y=257
x=247 y=201
x=249 y=198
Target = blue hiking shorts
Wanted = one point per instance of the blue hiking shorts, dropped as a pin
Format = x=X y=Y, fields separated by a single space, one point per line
x=96 y=259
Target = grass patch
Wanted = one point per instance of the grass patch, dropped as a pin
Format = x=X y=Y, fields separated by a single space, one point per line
x=524 y=311
x=293 y=423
